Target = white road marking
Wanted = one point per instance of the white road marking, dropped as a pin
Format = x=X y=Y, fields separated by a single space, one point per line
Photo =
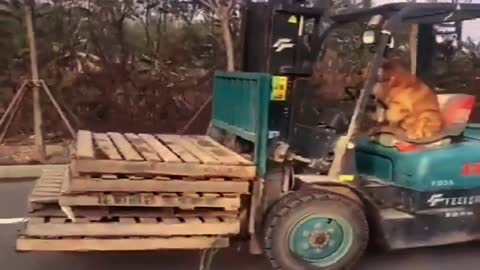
x=5 y=221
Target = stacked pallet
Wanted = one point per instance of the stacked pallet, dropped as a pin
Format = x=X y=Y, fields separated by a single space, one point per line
x=139 y=192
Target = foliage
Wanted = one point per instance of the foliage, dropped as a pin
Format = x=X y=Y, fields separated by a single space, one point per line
x=102 y=56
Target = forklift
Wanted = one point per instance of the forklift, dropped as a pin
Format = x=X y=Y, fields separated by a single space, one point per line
x=327 y=190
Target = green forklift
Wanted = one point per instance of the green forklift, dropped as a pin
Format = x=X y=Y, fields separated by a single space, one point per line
x=327 y=190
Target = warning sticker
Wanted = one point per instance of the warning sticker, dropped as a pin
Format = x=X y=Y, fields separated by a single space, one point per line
x=293 y=19
x=279 y=88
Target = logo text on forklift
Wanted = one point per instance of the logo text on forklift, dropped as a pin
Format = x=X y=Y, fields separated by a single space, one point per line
x=436 y=199
x=282 y=44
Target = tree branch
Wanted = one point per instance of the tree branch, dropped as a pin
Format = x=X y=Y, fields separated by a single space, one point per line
x=208 y=4
x=231 y=6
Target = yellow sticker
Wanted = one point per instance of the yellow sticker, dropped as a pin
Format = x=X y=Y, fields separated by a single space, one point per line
x=293 y=19
x=346 y=178
x=279 y=88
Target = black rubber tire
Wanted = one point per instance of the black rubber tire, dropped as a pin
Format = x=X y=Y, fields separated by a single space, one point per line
x=290 y=208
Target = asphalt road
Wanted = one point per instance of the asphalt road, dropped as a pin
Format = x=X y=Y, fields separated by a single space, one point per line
x=13 y=204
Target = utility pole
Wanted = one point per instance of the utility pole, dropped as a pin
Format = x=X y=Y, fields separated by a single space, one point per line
x=37 y=109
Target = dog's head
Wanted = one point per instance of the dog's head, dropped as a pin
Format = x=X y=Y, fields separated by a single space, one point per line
x=390 y=69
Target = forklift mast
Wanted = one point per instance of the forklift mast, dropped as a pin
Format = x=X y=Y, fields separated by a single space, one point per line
x=280 y=39
x=279 y=35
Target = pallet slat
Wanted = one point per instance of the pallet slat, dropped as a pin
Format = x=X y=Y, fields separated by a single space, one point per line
x=97 y=213
x=124 y=146
x=142 y=147
x=129 y=244
x=79 y=185
x=162 y=150
x=48 y=187
x=179 y=150
x=106 y=146
x=84 y=147
x=166 y=228
x=219 y=150
x=149 y=200
x=162 y=168
x=201 y=154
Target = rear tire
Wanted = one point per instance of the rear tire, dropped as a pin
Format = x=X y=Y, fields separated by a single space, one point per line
x=315 y=230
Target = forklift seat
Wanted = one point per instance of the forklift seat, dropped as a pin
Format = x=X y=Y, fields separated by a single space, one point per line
x=456 y=110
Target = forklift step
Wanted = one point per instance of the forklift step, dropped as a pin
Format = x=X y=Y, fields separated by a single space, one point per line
x=394 y=214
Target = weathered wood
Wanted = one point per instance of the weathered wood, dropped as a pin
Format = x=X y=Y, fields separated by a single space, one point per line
x=61 y=228
x=149 y=200
x=97 y=213
x=219 y=150
x=193 y=220
x=122 y=244
x=84 y=147
x=47 y=188
x=201 y=154
x=178 y=149
x=127 y=220
x=162 y=150
x=106 y=146
x=142 y=147
x=148 y=220
x=79 y=185
x=124 y=146
x=219 y=153
x=162 y=168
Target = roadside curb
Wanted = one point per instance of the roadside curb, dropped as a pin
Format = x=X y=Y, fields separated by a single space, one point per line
x=8 y=172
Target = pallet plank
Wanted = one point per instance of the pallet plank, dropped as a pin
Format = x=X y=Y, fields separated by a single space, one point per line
x=80 y=185
x=142 y=147
x=177 y=148
x=124 y=146
x=149 y=200
x=193 y=220
x=162 y=150
x=219 y=150
x=163 y=168
x=148 y=220
x=129 y=244
x=84 y=147
x=106 y=146
x=119 y=212
x=137 y=229
x=201 y=154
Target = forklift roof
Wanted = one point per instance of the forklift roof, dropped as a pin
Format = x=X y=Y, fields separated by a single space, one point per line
x=422 y=13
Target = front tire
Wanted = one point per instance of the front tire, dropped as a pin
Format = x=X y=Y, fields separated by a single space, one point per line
x=315 y=230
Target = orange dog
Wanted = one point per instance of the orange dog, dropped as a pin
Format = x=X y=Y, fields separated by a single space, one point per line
x=409 y=103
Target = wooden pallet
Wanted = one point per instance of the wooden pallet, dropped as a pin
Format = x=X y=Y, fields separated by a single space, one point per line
x=170 y=155
x=119 y=244
x=47 y=188
x=184 y=201
x=141 y=226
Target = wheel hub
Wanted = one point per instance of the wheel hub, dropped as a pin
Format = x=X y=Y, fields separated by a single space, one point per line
x=316 y=239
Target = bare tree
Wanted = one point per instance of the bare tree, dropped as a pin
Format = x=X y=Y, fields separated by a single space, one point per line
x=224 y=11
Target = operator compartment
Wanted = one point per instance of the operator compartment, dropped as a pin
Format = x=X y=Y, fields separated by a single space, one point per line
x=450 y=161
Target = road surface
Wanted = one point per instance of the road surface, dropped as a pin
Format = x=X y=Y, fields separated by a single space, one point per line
x=13 y=204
